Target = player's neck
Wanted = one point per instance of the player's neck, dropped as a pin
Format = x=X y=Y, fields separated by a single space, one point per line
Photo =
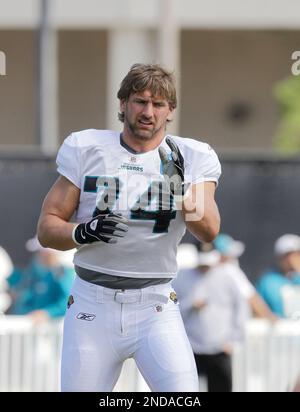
x=139 y=145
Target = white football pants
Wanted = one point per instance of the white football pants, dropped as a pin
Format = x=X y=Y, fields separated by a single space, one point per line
x=103 y=327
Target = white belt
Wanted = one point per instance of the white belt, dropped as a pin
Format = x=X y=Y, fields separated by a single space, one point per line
x=129 y=297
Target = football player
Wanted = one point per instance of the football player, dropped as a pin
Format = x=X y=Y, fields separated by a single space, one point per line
x=133 y=193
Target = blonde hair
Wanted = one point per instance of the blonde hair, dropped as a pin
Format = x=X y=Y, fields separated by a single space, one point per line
x=151 y=77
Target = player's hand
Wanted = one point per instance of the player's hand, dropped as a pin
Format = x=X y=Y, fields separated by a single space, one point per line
x=173 y=167
x=106 y=228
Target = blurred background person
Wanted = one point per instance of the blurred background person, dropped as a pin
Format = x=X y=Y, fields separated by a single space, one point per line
x=230 y=251
x=41 y=289
x=6 y=268
x=214 y=312
x=280 y=286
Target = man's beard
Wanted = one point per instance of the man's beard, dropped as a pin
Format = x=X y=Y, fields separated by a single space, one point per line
x=140 y=134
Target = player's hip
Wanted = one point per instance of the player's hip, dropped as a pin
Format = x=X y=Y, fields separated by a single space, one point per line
x=161 y=293
x=121 y=313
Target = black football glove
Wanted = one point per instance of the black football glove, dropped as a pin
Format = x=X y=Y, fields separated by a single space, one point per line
x=106 y=228
x=173 y=169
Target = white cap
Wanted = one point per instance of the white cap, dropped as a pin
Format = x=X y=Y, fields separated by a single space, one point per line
x=6 y=265
x=65 y=257
x=286 y=244
x=187 y=256
x=227 y=246
x=208 y=255
x=33 y=245
x=210 y=258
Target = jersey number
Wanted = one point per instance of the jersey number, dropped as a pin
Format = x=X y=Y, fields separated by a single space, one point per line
x=142 y=209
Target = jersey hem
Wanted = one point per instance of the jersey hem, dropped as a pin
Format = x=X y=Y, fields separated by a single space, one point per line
x=125 y=273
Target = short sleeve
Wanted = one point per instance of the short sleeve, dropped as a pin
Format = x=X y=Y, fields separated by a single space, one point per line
x=68 y=160
x=205 y=167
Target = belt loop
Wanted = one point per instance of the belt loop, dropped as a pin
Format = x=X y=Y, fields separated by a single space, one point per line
x=99 y=294
x=115 y=293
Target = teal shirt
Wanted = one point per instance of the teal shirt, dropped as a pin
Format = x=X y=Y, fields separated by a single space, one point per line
x=38 y=287
x=269 y=287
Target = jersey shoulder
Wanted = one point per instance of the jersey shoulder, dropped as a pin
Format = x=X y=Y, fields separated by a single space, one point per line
x=200 y=160
x=187 y=144
x=94 y=137
x=79 y=146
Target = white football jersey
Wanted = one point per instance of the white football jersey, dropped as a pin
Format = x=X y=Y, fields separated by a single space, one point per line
x=96 y=162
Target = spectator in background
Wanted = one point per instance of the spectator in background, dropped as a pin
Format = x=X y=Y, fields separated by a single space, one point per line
x=6 y=268
x=280 y=287
x=41 y=290
x=214 y=313
x=187 y=256
x=230 y=251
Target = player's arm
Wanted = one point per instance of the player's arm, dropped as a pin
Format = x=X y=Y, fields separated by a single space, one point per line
x=54 y=228
x=198 y=204
x=55 y=231
x=261 y=309
x=201 y=212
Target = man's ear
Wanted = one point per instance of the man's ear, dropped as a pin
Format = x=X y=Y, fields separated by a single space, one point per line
x=122 y=105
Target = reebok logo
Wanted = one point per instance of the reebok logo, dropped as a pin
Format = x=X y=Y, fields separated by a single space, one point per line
x=85 y=316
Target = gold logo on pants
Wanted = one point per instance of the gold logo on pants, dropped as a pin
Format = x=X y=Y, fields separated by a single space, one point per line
x=70 y=301
x=173 y=297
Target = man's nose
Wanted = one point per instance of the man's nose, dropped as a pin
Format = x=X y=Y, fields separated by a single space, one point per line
x=148 y=110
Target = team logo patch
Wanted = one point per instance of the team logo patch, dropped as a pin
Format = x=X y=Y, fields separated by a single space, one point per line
x=173 y=297
x=85 y=316
x=70 y=301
